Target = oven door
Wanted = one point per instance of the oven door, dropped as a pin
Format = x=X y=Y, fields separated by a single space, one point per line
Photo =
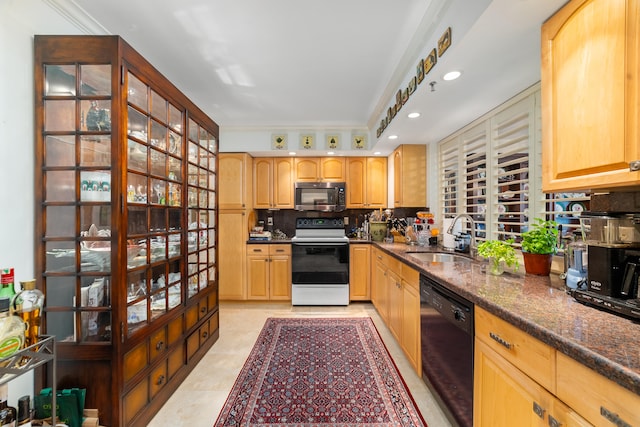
x=320 y=263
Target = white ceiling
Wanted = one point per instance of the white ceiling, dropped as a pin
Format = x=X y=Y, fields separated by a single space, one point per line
x=334 y=64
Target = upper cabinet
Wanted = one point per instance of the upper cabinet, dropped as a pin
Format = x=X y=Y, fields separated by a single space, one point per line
x=235 y=181
x=328 y=169
x=125 y=195
x=410 y=176
x=591 y=95
x=273 y=183
x=366 y=182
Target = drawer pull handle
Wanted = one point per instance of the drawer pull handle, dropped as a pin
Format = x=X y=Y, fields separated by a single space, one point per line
x=205 y=334
x=538 y=410
x=279 y=250
x=613 y=417
x=160 y=380
x=553 y=422
x=203 y=310
x=500 y=341
x=159 y=345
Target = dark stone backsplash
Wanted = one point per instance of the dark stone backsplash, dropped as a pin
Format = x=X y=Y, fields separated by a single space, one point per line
x=285 y=219
x=616 y=202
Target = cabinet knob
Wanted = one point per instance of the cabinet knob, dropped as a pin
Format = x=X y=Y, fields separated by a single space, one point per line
x=553 y=422
x=203 y=310
x=538 y=410
x=205 y=334
x=160 y=380
x=634 y=166
x=159 y=345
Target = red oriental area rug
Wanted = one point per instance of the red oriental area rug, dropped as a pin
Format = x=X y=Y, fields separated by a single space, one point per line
x=319 y=372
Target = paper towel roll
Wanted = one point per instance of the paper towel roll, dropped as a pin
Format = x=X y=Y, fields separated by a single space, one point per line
x=449 y=240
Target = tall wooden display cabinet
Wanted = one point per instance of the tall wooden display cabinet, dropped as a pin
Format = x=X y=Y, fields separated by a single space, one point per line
x=125 y=224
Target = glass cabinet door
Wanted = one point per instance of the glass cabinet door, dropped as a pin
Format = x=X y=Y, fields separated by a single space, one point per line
x=201 y=204
x=153 y=204
x=77 y=200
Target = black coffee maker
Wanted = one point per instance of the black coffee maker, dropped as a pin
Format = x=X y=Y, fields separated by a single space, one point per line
x=614 y=263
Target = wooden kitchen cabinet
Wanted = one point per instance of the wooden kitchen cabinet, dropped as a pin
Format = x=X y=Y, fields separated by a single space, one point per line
x=324 y=169
x=410 y=335
x=235 y=171
x=379 y=292
x=234 y=233
x=269 y=272
x=366 y=182
x=590 y=96
x=126 y=223
x=359 y=272
x=273 y=179
x=410 y=176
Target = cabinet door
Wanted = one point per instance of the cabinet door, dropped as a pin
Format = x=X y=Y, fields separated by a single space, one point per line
x=263 y=183
x=359 y=272
x=233 y=235
x=258 y=272
x=332 y=169
x=307 y=169
x=410 y=176
x=411 y=324
x=590 y=95
x=376 y=182
x=280 y=273
x=235 y=182
x=397 y=177
x=394 y=286
x=356 y=182
x=283 y=183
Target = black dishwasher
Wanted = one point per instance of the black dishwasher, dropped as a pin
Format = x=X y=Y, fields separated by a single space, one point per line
x=446 y=331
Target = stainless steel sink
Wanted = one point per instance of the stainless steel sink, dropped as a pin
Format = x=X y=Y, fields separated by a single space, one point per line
x=438 y=257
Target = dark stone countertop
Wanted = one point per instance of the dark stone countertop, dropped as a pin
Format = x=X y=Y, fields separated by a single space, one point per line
x=607 y=343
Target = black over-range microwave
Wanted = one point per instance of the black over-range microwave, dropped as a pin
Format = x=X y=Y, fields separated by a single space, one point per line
x=320 y=196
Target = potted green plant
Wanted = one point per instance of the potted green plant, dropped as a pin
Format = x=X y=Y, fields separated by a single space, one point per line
x=539 y=244
x=498 y=252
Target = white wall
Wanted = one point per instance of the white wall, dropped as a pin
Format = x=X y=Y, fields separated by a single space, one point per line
x=19 y=21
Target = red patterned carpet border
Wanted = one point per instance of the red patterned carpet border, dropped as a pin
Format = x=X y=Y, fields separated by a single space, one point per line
x=319 y=372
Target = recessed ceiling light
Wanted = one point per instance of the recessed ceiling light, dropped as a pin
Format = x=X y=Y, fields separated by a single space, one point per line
x=377 y=153
x=393 y=136
x=292 y=153
x=330 y=153
x=413 y=115
x=451 y=75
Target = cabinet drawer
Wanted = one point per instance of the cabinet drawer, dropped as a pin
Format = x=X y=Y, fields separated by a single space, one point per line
x=411 y=276
x=135 y=401
x=135 y=361
x=598 y=399
x=193 y=344
x=175 y=361
x=157 y=344
x=191 y=317
x=212 y=299
x=174 y=330
x=203 y=309
x=158 y=379
x=531 y=356
x=279 y=249
x=257 y=249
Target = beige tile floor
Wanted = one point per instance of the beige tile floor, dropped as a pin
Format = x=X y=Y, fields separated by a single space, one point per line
x=199 y=399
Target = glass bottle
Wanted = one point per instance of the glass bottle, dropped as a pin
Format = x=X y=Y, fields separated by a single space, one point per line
x=8 y=413
x=11 y=331
x=28 y=305
x=24 y=411
x=7 y=290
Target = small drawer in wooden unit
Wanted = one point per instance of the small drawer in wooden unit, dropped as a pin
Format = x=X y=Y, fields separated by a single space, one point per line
x=158 y=379
x=158 y=344
x=174 y=330
x=530 y=355
x=212 y=300
x=135 y=360
x=136 y=400
x=279 y=249
x=203 y=308
x=599 y=400
x=191 y=317
x=175 y=361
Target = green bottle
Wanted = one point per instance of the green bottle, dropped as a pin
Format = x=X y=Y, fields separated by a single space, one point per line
x=7 y=281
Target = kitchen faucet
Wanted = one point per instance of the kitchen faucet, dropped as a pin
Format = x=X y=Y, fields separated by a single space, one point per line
x=472 y=245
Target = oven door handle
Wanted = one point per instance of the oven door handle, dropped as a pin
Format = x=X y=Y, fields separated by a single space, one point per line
x=321 y=243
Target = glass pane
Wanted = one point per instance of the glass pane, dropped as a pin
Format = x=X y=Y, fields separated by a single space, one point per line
x=174 y=245
x=202 y=199
x=175 y=119
x=137 y=93
x=192 y=177
x=158 y=107
x=137 y=125
x=212 y=249
x=93 y=295
x=175 y=144
x=203 y=279
x=137 y=219
x=136 y=188
x=96 y=259
x=59 y=116
x=60 y=292
x=193 y=152
x=158 y=219
x=175 y=194
x=175 y=295
x=158 y=304
x=204 y=158
x=158 y=249
x=101 y=319
x=137 y=156
x=61 y=324
x=193 y=130
x=136 y=314
x=61 y=257
x=60 y=186
x=136 y=285
x=212 y=220
x=95 y=186
x=158 y=163
x=212 y=163
x=213 y=145
x=95 y=80
x=158 y=135
x=61 y=221
x=60 y=80
x=60 y=150
x=192 y=200
x=212 y=181
x=175 y=217
x=95 y=150
x=175 y=169
x=96 y=115
x=158 y=192
x=212 y=200
x=98 y=216
x=136 y=255
x=203 y=177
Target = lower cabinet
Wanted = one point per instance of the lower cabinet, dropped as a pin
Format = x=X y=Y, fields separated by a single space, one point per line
x=396 y=297
x=359 y=272
x=518 y=380
x=233 y=232
x=269 y=272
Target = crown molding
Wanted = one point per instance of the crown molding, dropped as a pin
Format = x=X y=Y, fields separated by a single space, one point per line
x=77 y=16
